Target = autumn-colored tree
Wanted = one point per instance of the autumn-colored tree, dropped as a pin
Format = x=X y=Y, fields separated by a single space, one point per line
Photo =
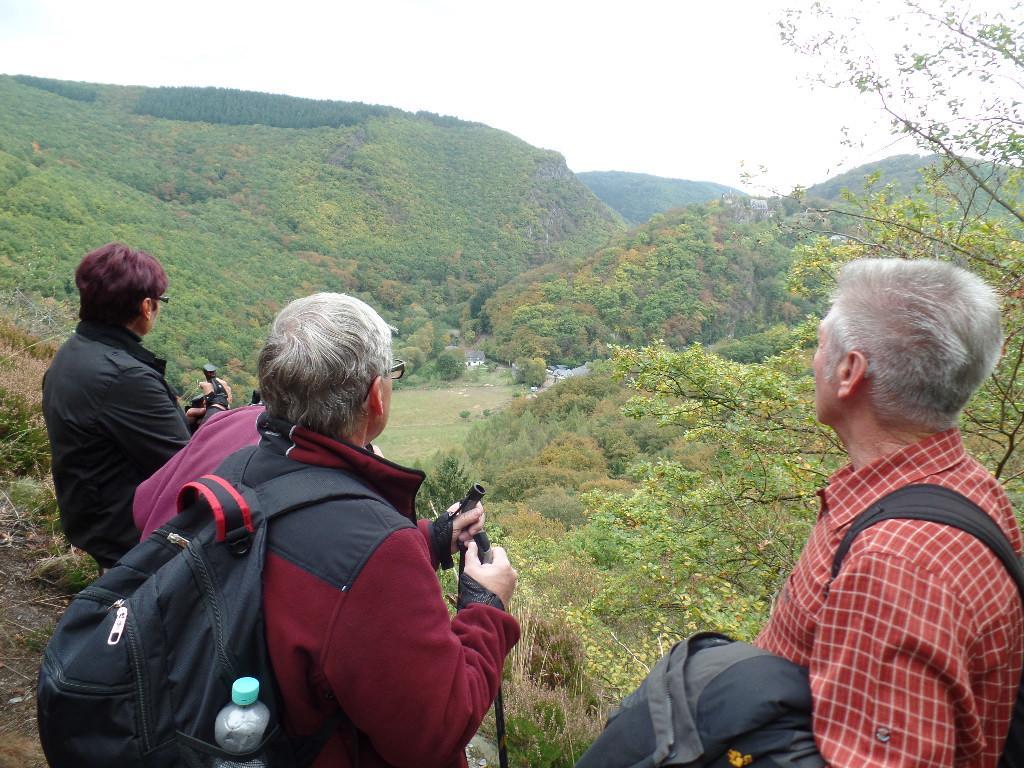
x=531 y=371
x=450 y=364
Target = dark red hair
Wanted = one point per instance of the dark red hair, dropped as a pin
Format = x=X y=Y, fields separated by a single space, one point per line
x=113 y=280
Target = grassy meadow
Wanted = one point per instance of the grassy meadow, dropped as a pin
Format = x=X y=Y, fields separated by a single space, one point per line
x=428 y=419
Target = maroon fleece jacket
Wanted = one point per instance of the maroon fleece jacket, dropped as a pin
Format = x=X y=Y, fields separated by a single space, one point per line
x=415 y=683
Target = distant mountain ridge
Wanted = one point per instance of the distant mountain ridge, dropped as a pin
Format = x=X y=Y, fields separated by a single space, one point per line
x=638 y=196
x=907 y=175
x=902 y=171
x=422 y=215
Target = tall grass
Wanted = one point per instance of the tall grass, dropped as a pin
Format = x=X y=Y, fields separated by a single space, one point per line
x=28 y=507
x=24 y=448
x=552 y=712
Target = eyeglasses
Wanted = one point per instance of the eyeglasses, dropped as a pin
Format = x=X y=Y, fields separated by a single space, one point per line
x=164 y=299
x=395 y=372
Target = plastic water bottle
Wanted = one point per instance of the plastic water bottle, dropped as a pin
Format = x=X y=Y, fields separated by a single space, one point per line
x=240 y=725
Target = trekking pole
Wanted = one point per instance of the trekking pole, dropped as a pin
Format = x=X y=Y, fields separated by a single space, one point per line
x=468 y=502
x=483 y=546
x=499 y=721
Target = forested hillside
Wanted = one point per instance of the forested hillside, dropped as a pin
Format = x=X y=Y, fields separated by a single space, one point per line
x=918 y=177
x=701 y=273
x=902 y=171
x=638 y=196
x=421 y=214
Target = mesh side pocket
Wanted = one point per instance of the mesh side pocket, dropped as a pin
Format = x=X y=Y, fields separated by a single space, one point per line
x=274 y=752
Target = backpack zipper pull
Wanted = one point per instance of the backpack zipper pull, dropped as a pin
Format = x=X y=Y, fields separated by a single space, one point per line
x=174 y=538
x=118 y=629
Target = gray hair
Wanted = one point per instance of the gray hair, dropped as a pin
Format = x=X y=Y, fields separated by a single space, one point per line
x=930 y=331
x=321 y=357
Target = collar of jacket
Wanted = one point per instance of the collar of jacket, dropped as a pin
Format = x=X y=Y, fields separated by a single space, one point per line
x=120 y=337
x=397 y=484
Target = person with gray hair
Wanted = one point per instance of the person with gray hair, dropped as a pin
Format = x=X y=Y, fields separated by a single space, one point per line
x=930 y=330
x=355 y=621
x=915 y=648
x=319 y=359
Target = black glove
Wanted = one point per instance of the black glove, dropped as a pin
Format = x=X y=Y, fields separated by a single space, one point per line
x=441 y=537
x=472 y=591
x=217 y=399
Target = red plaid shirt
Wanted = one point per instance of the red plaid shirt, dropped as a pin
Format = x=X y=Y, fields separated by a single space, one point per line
x=915 y=655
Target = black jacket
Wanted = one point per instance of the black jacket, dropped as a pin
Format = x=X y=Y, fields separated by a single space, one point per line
x=112 y=420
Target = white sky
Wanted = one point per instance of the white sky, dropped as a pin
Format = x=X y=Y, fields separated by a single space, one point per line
x=693 y=89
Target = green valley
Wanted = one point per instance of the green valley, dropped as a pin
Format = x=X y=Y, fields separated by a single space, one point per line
x=426 y=420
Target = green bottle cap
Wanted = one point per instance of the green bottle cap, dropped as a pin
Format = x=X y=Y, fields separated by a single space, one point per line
x=245 y=691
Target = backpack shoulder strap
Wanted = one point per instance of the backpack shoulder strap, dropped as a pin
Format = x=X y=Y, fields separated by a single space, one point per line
x=936 y=504
x=308 y=486
x=301 y=488
x=941 y=505
x=234 y=504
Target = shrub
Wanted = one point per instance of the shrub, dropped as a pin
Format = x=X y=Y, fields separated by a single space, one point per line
x=552 y=713
x=28 y=510
x=72 y=570
x=525 y=522
x=450 y=365
x=554 y=503
x=446 y=483
x=24 y=447
x=576 y=452
x=517 y=483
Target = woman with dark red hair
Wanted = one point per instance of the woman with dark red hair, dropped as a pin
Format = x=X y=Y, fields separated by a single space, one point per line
x=111 y=416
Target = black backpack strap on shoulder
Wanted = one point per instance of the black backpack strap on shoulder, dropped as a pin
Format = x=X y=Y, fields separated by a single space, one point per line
x=935 y=504
x=941 y=505
x=233 y=466
x=288 y=493
x=308 y=486
x=306 y=751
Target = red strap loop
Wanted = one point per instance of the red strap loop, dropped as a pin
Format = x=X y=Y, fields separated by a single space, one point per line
x=210 y=496
x=243 y=505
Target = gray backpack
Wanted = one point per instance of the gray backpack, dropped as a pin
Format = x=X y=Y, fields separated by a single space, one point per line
x=712 y=701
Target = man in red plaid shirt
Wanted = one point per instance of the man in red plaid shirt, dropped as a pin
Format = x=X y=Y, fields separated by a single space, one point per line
x=915 y=652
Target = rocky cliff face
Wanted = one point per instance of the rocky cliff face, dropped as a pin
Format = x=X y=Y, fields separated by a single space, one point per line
x=560 y=198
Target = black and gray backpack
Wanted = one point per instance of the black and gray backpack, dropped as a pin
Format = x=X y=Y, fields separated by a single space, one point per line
x=712 y=702
x=144 y=658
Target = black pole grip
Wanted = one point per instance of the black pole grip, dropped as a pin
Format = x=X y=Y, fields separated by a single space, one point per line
x=483 y=544
x=483 y=547
x=470 y=499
